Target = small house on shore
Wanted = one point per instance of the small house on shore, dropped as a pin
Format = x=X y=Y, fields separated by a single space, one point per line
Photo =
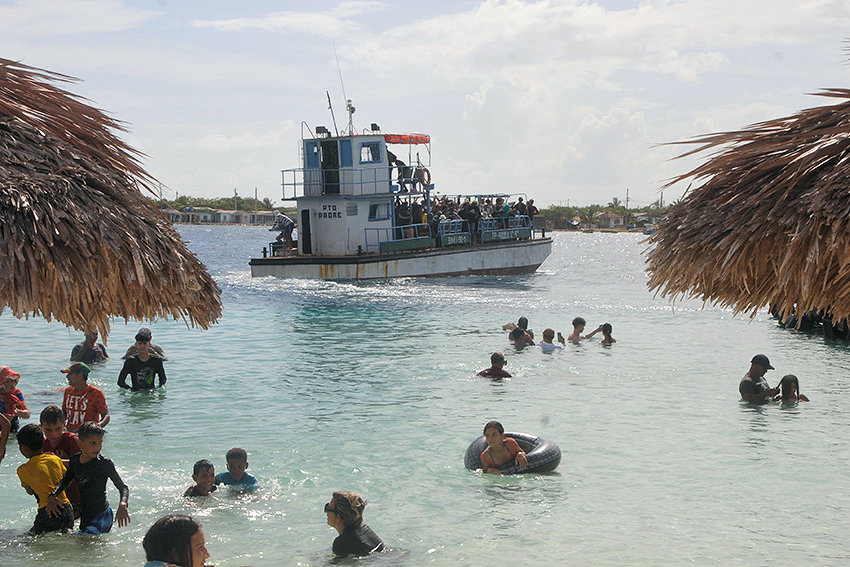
x=610 y=219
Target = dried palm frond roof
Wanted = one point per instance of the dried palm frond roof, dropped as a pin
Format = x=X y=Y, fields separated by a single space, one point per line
x=771 y=221
x=78 y=241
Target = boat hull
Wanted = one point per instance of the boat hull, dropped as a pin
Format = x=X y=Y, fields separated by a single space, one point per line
x=503 y=258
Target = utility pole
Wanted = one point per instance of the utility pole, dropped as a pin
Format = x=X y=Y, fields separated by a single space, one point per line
x=255 y=200
x=627 y=206
x=235 y=202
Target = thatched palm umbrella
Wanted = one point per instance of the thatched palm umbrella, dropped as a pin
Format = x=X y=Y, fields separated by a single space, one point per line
x=771 y=221
x=78 y=240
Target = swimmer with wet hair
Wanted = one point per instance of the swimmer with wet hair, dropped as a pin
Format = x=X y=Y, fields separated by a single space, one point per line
x=520 y=338
x=496 y=370
x=578 y=328
x=548 y=343
x=606 y=334
x=790 y=390
x=175 y=540
x=500 y=450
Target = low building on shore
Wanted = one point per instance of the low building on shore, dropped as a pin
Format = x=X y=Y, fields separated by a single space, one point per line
x=196 y=215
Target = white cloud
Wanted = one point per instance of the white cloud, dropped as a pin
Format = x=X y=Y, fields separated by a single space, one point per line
x=336 y=22
x=49 y=18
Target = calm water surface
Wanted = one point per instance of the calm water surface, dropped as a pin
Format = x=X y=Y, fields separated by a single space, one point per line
x=371 y=387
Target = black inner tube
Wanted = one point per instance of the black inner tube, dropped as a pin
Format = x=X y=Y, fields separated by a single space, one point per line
x=543 y=455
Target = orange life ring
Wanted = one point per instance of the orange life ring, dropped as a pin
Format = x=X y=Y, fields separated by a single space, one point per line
x=424 y=177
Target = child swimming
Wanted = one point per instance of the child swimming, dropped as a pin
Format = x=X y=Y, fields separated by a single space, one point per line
x=236 y=478
x=500 y=449
x=203 y=473
x=790 y=390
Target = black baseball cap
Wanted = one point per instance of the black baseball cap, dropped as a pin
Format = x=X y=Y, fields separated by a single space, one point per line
x=762 y=361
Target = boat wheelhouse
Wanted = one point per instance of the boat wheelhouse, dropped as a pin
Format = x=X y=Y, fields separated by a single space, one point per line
x=365 y=210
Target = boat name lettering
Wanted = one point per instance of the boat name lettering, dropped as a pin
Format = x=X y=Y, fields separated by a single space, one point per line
x=329 y=212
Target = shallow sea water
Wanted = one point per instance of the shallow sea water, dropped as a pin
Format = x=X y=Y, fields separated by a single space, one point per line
x=371 y=387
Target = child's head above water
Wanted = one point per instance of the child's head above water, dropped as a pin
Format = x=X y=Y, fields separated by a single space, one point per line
x=790 y=387
x=497 y=359
x=52 y=420
x=203 y=473
x=494 y=424
x=30 y=440
x=237 y=462
x=8 y=380
x=91 y=439
x=606 y=329
x=578 y=324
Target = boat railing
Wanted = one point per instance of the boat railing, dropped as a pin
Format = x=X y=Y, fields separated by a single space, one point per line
x=489 y=224
x=397 y=238
x=350 y=181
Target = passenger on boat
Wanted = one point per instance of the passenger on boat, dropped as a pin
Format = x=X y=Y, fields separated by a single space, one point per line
x=496 y=370
x=520 y=207
x=500 y=450
x=532 y=212
x=416 y=212
x=502 y=210
x=285 y=225
x=345 y=515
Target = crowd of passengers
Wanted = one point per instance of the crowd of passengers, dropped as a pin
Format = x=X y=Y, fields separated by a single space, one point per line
x=413 y=217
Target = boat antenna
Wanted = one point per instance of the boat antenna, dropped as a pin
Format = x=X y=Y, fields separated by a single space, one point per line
x=331 y=108
x=348 y=107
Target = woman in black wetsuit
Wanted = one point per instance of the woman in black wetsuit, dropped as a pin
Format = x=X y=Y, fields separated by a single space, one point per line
x=345 y=514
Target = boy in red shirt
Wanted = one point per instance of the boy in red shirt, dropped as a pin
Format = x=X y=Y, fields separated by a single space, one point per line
x=83 y=402
x=61 y=443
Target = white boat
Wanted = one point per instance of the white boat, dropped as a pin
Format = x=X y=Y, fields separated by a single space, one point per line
x=351 y=194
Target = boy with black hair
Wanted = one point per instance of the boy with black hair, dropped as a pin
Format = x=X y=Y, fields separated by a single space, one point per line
x=496 y=370
x=142 y=367
x=61 y=443
x=39 y=475
x=578 y=328
x=83 y=402
x=236 y=478
x=203 y=474
x=91 y=469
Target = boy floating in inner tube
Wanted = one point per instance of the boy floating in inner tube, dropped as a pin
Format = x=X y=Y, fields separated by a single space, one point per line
x=500 y=450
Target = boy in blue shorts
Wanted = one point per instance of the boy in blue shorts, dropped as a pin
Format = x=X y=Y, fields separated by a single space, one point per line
x=236 y=478
x=91 y=469
x=38 y=476
x=204 y=476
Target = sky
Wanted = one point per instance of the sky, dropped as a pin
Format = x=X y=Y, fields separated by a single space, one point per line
x=569 y=102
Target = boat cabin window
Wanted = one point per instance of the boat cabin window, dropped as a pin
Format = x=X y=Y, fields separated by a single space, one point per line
x=370 y=152
x=379 y=211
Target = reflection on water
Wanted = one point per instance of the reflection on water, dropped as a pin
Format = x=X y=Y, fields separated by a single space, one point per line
x=371 y=387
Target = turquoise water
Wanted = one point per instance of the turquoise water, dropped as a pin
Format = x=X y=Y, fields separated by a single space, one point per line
x=371 y=387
